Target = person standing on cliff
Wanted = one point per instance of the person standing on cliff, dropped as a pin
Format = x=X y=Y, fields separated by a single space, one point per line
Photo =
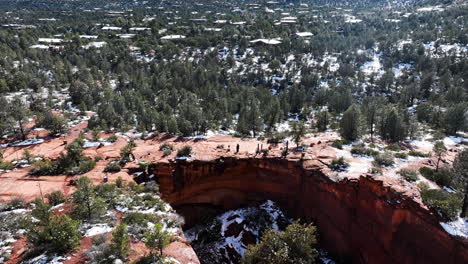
x=237 y=148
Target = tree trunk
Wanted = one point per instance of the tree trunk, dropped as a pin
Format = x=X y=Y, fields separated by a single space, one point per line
x=464 y=211
x=21 y=130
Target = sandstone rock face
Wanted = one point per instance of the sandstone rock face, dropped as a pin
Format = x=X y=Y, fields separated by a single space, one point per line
x=359 y=221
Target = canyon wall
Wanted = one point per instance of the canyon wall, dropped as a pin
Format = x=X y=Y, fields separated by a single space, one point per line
x=359 y=221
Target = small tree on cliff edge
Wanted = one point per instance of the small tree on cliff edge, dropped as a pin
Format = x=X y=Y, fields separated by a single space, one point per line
x=460 y=167
x=297 y=132
x=157 y=239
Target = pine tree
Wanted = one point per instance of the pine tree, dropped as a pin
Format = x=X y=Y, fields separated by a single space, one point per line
x=294 y=245
x=454 y=118
x=439 y=150
x=86 y=204
x=120 y=242
x=392 y=125
x=350 y=124
x=157 y=239
x=460 y=167
x=322 y=121
x=297 y=132
x=370 y=110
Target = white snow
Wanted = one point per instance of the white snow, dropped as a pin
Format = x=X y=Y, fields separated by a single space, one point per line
x=304 y=34
x=169 y=37
x=459 y=227
x=98 y=229
x=111 y=28
x=373 y=66
x=50 y=40
x=88 y=36
x=29 y=142
x=44 y=259
x=95 y=44
x=274 y=41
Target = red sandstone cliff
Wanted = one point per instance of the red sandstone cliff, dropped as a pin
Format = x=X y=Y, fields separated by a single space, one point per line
x=359 y=220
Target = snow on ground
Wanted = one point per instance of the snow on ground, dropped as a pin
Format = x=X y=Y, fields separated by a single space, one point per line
x=28 y=142
x=98 y=229
x=459 y=227
x=452 y=141
x=373 y=66
x=45 y=259
x=430 y=9
x=400 y=68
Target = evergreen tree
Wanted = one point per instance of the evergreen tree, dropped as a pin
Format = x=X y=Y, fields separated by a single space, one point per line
x=157 y=239
x=350 y=123
x=454 y=119
x=19 y=112
x=86 y=203
x=322 y=121
x=298 y=131
x=120 y=242
x=392 y=125
x=439 y=150
x=294 y=245
x=460 y=167
x=370 y=110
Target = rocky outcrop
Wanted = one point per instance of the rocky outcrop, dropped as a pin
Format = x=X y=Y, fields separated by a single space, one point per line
x=359 y=220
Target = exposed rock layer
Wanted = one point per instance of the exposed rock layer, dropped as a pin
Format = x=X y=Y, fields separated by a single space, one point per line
x=360 y=221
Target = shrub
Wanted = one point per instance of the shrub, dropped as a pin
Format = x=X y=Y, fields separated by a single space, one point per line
x=375 y=170
x=28 y=156
x=126 y=151
x=185 y=151
x=393 y=147
x=119 y=182
x=339 y=164
x=43 y=167
x=6 y=165
x=165 y=146
x=445 y=203
x=426 y=172
x=112 y=167
x=361 y=150
x=294 y=245
x=443 y=176
x=98 y=158
x=423 y=186
x=383 y=160
x=339 y=143
x=55 y=197
x=60 y=235
x=415 y=153
x=112 y=139
x=409 y=175
x=85 y=166
x=401 y=155
x=275 y=139
x=15 y=203
x=167 y=152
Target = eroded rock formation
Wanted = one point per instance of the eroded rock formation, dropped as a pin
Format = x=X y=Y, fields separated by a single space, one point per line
x=360 y=220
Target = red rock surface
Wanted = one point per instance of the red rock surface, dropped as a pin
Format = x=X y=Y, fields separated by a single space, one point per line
x=359 y=220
